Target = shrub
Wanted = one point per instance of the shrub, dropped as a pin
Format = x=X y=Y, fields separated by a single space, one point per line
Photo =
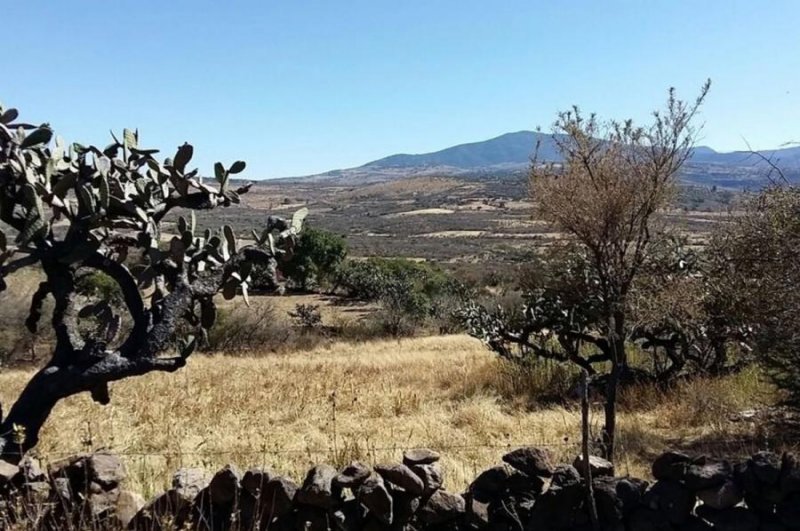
x=410 y=293
x=314 y=263
x=756 y=256
x=307 y=316
x=360 y=279
x=403 y=308
x=98 y=285
x=243 y=329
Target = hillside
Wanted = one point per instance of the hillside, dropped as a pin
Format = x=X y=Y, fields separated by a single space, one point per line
x=510 y=154
x=511 y=149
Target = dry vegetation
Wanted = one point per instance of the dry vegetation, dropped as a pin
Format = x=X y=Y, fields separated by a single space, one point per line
x=370 y=401
x=437 y=218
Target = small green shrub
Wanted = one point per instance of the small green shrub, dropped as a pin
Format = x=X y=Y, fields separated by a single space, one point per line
x=100 y=286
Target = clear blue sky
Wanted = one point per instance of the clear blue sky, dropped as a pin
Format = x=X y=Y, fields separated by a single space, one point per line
x=298 y=87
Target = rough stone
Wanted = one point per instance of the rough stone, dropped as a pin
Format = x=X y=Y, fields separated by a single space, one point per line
x=255 y=479
x=349 y=516
x=373 y=524
x=100 y=500
x=477 y=513
x=597 y=465
x=224 y=486
x=490 y=484
x=672 y=499
x=523 y=486
x=106 y=469
x=313 y=519
x=92 y=480
x=507 y=513
x=759 y=496
x=631 y=492
x=38 y=491
x=609 y=505
x=431 y=476
x=442 y=507
x=8 y=473
x=671 y=465
x=318 y=489
x=646 y=519
x=62 y=490
x=32 y=469
x=703 y=474
x=731 y=519
x=405 y=506
x=790 y=474
x=766 y=466
x=210 y=516
x=398 y=497
x=560 y=508
x=721 y=497
x=401 y=476
x=565 y=476
x=129 y=503
x=531 y=461
x=164 y=512
x=72 y=469
x=188 y=482
x=373 y=495
x=788 y=511
x=277 y=495
x=353 y=475
x=420 y=456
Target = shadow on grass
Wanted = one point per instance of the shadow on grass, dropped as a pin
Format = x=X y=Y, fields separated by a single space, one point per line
x=775 y=429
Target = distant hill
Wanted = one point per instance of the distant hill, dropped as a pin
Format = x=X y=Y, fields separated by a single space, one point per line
x=509 y=149
x=511 y=154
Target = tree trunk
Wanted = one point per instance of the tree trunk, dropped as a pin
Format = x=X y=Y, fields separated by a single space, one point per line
x=587 y=470
x=618 y=363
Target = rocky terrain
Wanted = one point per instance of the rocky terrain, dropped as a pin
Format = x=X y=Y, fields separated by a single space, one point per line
x=527 y=491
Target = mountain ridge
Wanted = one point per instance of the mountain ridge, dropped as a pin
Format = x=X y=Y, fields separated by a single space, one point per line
x=511 y=153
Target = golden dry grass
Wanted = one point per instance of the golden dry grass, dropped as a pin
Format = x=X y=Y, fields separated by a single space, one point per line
x=342 y=402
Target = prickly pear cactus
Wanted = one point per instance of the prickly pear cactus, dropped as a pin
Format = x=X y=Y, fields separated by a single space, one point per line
x=72 y=208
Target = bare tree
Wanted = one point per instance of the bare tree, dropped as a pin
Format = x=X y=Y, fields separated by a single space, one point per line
x=615 y=178
x=71 y=210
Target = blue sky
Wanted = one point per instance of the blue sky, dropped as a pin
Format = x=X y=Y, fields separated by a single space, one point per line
x=299 y=87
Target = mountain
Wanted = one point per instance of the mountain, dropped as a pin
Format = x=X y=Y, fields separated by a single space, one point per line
x=511 y=154
x=509 y=149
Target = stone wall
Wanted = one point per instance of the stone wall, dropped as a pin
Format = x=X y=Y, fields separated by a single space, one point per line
x=527 y=492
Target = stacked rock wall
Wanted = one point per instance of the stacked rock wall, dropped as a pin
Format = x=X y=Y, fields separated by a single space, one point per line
x=527 y=492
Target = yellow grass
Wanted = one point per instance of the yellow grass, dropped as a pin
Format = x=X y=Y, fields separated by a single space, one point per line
x=335 y=404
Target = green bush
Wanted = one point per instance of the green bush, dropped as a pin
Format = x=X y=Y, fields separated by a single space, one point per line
x=317 y=257
x=101 y=286
x=360 y=279
x=367 y=279
x=313 y=264
x=409 y=293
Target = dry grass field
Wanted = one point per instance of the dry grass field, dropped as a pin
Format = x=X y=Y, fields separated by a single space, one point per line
x=370 y=401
